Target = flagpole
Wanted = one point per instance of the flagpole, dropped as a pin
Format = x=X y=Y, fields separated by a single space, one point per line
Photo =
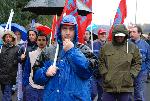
x=57 y=47
x=8 y=25
x=19 y=82
x=12 y=13
x=50 y=41
x=56 y=54
x=91 y=37
x=110 y=22
x=136 y=12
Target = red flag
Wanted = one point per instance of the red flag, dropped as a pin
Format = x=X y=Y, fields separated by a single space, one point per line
x=84 y=21
x=88 y=3
x=70 y=8
x=119 y=17
x=54 y=23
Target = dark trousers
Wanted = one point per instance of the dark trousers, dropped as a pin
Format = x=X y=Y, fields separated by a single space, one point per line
x=96 y=89
x=7 y=92
x=93 y=88
x=32 y=94
x=123 y=96
x=100 y=92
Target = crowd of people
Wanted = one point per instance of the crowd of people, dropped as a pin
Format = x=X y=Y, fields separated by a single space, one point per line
x=114 y=70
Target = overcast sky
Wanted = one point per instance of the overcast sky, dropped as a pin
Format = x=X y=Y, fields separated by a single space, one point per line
x=105 y=10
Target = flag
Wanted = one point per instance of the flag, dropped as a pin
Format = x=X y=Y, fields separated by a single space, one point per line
x=119 y=17
x=54 y=23
x=70 y=8
x=84 y=21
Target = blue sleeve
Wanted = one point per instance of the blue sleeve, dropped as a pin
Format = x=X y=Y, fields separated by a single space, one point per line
x=40 y=77
x=148 y=58
x=79 y=63
x=26 y=72
x=96 y=48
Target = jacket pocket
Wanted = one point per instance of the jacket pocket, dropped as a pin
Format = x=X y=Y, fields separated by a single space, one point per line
x=109 y=58
x=49 y=92
x=143 y=54
x=129 y=57
x=78 y=96
x=107 y=81
x=109 y=53
x=127 y=80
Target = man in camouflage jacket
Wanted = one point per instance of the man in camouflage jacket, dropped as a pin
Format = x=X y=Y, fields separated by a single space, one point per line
x=120 y=63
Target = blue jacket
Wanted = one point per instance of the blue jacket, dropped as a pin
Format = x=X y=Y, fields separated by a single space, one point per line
x=144 y=48
x=26 y=72
x=71 y=80
x=97 y=45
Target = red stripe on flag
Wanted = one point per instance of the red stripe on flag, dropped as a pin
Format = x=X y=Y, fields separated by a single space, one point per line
x=54 y=23
x=84 y=21
x=119 y=17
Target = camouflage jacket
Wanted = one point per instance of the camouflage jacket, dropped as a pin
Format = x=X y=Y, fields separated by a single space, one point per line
x=118 y=68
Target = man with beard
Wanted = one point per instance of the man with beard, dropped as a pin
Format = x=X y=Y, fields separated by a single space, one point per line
x=8 y=64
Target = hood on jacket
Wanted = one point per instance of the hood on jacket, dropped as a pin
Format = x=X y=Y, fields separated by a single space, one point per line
x=119 y=30
x=67 y=20
x=10 y=33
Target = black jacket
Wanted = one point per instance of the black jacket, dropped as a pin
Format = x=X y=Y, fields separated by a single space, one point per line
x=8 y=64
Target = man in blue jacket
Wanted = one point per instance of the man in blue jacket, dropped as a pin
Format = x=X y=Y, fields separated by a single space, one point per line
x=100 y=42
x=97 y=45
x=135 y=33
x=69 y=79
